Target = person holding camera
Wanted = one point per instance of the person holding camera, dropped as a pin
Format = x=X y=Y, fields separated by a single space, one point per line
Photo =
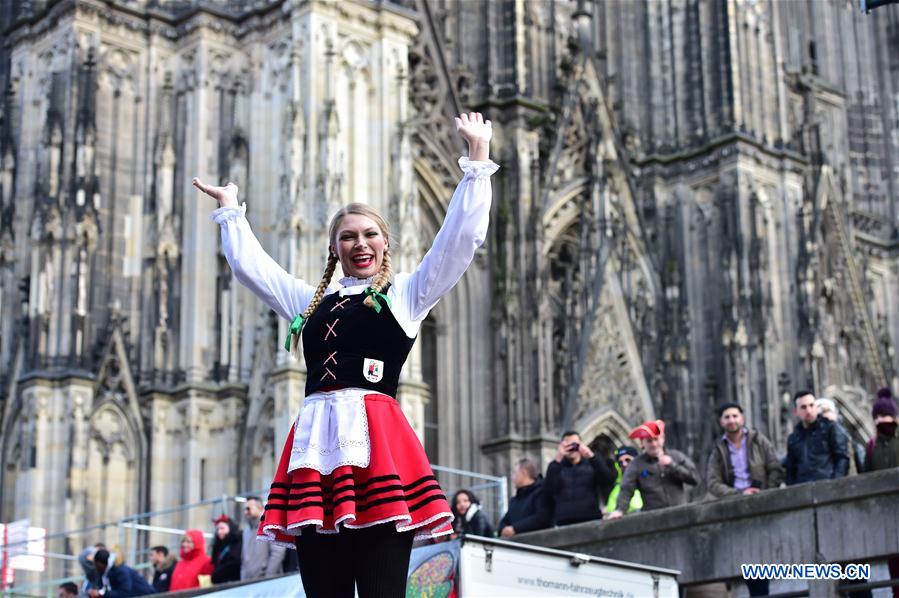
x=659 y=473
x=574 y=480
x=743 y=460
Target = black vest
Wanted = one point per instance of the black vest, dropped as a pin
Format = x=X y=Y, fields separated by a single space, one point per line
x=348 y=344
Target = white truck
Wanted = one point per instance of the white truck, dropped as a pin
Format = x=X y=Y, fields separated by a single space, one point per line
x=477 y=567
x=498 y=569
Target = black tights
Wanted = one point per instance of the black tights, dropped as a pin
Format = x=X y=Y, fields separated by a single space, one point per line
x=373 y=559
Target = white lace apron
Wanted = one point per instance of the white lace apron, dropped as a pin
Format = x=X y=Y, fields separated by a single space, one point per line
x=331 y=431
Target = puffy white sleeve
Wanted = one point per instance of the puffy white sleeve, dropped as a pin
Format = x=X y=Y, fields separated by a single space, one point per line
x=464 y=230
x=256 y=270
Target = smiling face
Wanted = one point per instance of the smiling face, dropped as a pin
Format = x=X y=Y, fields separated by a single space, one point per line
x=187 y=544
x=359 y=243
x=731 y=420
x=462 y=503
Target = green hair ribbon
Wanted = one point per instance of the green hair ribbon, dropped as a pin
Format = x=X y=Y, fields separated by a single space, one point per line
x=379 y=298
x=295 y=326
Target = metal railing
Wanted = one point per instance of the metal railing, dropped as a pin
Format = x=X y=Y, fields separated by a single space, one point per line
x=492 y=491
x=130 y=537
x=134 y=535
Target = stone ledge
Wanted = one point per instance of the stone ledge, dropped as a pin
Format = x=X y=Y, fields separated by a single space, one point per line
x=847 y=520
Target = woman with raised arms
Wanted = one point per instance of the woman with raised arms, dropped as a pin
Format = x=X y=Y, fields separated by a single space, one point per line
x=353 y=487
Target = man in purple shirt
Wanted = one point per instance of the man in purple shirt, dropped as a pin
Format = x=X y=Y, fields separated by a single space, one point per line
x=743 y=460
x=736 y=448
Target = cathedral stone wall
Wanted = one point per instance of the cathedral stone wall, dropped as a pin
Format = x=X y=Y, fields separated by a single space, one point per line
x=697 y=203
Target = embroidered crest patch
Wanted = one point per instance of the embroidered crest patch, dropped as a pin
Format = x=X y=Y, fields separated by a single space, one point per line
x=373 y=370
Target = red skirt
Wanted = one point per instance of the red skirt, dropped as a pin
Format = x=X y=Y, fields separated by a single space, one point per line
x=398 y=486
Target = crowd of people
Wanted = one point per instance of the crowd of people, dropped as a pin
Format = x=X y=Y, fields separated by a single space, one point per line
x=581 y=486
x=236 y=556
x=578 y=485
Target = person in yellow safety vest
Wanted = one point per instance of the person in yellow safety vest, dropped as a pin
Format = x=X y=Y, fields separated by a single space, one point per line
x=623 y=457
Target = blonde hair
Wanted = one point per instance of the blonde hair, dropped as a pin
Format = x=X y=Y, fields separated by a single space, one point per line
x=381 y=279
x=322 y=286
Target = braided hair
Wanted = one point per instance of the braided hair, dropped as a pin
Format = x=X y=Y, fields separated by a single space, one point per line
x=322 y=286
x=381 y=280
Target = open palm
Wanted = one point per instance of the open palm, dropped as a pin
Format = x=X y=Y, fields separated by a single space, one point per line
x=474 y=129
x=226 y=196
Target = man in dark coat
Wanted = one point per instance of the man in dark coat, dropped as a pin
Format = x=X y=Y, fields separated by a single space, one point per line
x=817 y=449
x=527 y=509
x=163 y=567
x=573 y=481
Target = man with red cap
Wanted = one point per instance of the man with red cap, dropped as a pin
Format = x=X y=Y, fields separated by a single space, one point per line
x=659 y=473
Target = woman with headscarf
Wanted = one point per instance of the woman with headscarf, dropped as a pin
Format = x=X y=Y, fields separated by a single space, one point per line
x=194 y=562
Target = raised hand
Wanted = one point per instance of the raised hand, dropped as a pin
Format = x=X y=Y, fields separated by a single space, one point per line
x=226 y=196
x=562 y=451
x=477 y=132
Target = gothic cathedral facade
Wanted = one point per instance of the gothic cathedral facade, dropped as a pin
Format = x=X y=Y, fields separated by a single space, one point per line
x=697 y=203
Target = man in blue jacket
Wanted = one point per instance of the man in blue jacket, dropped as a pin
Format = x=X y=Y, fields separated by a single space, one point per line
x=121 y=581
x=817 y=449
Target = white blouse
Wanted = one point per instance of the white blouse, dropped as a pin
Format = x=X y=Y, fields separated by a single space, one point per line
x=331 y=429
